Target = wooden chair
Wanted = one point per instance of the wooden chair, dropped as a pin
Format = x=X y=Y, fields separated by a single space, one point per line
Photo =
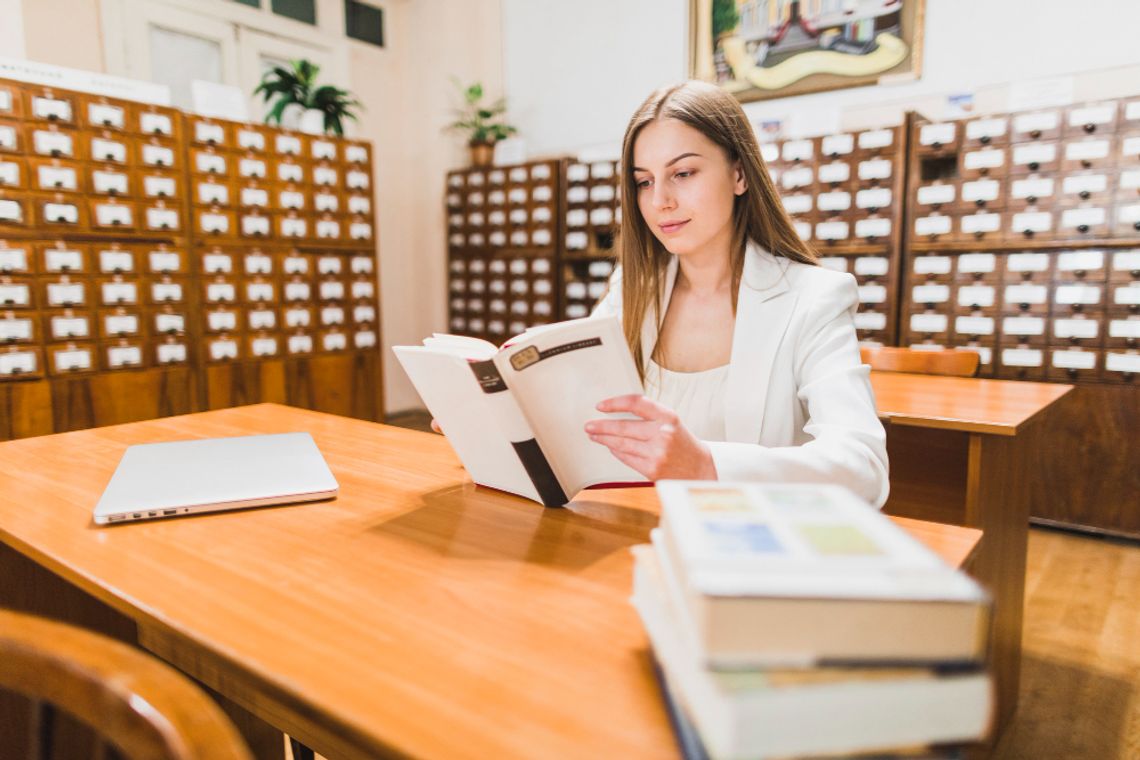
x=136 y=707
x=945 y=362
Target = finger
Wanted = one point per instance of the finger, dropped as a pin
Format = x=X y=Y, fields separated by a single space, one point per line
x=435 y=426
x=640 y=405
x=640 y=465
x=618 y=443
x=636 y=429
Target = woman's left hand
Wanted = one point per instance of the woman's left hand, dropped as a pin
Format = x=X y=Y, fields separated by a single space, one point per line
x=658 y=446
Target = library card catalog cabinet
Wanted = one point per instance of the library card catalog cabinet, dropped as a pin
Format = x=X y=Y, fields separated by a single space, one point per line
x=154 y=262
x=1015 y=236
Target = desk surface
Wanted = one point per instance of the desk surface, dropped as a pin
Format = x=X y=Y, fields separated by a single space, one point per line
x=416 y=614
x=969 y=404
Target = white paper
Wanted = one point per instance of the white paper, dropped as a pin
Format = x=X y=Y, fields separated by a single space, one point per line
x=544 y=193
x=832 y=231
x=872 y=294
x=1034 y=153
x=251 y=168
x=156 y=124
x=56 y=177
x=928 y=323
x=158 y=155
x=837 y=145
x=15 y=329
x=1074 y=294
x=264 y=346
x=11 y=211
x=299 y=317
x=834 y=173
x=1021 y=357
x=159 y=187
x=214 y=263
x=221 y=321
x=335 y=341
x=930 y=294
x=332 y=315
x=600 y=193
x=169 y=353
x=61 y=212
x=976 y=296
x=1027 y=262
x=936 y=134
x=169 y=323
x=120 y=292
x=48 y=108
x=357 y=180
x=7 y=137
x=870 y=320
x=110 y=182
x=797 y=150
x=981 y=223
x=212 y=134
x=1088 y=183
x=879 y=168
x=799 y=177
x=872 y=228
x=324 y=176
x=57 y=260
x=116 y=324
x=1074 y=359
x=872 y=266
x=932 y=265
x=1129 y=180
x=52 y=143
x=930 y=195
x=1124 y=328
x=1078 y=217
x=300 y=344
x=1076 y=328
x=974 y=325
x=981 y=190
x=876 y=138
x=1099 y=114
x=932 y=225
x=17 y=362
x=833 y=201
x=1122 y=362
x=220 y=291
x=10 y=173
x=211 y=163
x=1086 y=150
x=249 y=139
x=290 y=172
x=122 y=356
x=979 y=128
x=1032 y=221
x=13 y=260
x=989 y=158
x=1026 y=293
x=1076 y=261
x=288 y=145
x=803 y=229
x=1126 y=296
x=223 y=349
x=1036 y=187
x=1125 y=261
x=358 y=154
x=73 y=360
x=212 y=193
x=973 y=263
x=874 y=198
x=363 y=313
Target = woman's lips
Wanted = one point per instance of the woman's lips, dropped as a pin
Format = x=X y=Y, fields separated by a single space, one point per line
x=670 y=227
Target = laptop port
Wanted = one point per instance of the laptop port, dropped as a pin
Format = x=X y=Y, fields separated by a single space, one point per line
x=170 y=511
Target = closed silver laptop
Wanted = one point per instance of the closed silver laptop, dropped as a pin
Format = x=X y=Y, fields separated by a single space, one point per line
x=213 y=474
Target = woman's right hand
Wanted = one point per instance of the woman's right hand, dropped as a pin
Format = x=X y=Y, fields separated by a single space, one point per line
x=435 y=426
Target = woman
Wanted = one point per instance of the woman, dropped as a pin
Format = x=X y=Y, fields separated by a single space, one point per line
x=747 y=347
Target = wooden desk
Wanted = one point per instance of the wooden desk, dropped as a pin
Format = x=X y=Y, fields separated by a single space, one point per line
x=415 y=615
x=964 y=451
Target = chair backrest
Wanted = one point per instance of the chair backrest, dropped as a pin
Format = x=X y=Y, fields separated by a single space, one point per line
x=945 y=362
x=136 y=707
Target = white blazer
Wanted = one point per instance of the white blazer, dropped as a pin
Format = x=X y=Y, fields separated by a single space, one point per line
x=799 y=405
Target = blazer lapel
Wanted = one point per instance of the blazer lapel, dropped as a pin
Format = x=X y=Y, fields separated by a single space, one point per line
x=649 y=325
x=764 y=307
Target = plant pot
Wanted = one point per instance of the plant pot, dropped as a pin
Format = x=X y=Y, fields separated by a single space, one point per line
x=312 y=122
x=291 y=115
x=482 y=154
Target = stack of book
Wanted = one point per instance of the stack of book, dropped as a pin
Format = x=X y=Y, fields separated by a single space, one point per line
x=795 y=620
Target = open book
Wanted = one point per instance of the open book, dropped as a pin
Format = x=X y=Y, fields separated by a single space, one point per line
x=516 y=415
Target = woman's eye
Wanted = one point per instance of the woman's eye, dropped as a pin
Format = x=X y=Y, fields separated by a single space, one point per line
x=642 y=184
x=682 y=175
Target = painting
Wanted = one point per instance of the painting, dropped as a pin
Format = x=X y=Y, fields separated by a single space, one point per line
x=760 y=49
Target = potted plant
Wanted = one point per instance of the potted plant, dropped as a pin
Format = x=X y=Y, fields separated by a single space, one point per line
x=301 y=104
x=483 y=123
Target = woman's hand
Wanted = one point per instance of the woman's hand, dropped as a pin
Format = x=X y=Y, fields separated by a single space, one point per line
x=658 y=446
x=435 y=426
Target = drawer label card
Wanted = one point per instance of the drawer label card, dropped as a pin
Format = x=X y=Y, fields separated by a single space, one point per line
x=1036 y=122
x=110 y=182
x=171 y=352
x=324 y=149
x=1126 y=296
x=248 y=139
x=974 y=325
x=259 y=291
x=209 y=192
x=290 y=172
x=834 y=201
x=108 y=150
x=801 y=203
x=872 y=294
x=931 y=195
x=13 y=260
x=113 y=215
x=120 y=292
x=262 y=319
x=166 y=292
x=289 y=145
x=1076 y=261
x=1034 y=187
x=293 y=227
x=936 y=134
x=11 y=211
x=156 y=124
x=872 y=266
x=1083 y=217
x=223 y=349
x=50 y=108
x=252 y=168
x=209 y=133
x=977 y=263
x=1021 y=357
x=67 y=294
x=875 y=198
x=798 y=177
x=870 y=320
x=119 y=324
x=981 y=223
x=1030 y=294
x=300 y=344
x=358 y=154
x=984 y=159
x=932 y=225
x=1032 y=221
x=10 y=173
x=797 y=150
x=837 y=145
x=872 y=228
x=979 y=128
x=1124 y=328
x=56 y=177
x=324 y=176
x=297 y=318
x=159 y=155
x=165 y=261
x=1126 y=260
x=220 y=321
x=220 y=291
x=169 y=323
x=17 y=362
x=264 y=346
x=976 y=296
x=1122 y=362
x=981 y=190
x=73 y=360
x=15 y=295
x=56 y=260
x=1044 y=153
x=835 y=172
x=1076 y=328
x=932 y=265
x=1086 y=150
x=1084 y=183
x=876 y=139
x=124 y=356
x=358 y=180
x=832 y=230
x=879 y=168
x=930 y=293
x=1100 y=114
x=334 y=342
x=15 y=329
x=326 y=202
x=52 y=143
x=159 y=187
x=1027 y=262
x=1073 y=294
x=928 y=323
x=1074 y=359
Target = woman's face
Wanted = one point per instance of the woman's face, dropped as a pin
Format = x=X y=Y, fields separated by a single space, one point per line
x=685 y=186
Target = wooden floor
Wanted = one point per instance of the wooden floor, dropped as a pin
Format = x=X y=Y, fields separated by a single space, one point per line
x=1080 y=677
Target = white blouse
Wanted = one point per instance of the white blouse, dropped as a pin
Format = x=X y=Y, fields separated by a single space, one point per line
x=696 y=397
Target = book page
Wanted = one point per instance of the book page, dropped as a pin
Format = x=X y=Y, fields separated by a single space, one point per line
x=476 y=425
x=558 y=375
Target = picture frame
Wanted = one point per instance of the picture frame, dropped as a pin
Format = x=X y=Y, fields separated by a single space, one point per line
x=763 y=49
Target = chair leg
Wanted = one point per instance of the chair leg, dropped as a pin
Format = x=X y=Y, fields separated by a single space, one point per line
x=300 y=751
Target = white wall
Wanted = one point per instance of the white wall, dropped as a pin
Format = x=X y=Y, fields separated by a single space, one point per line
x=579 y=85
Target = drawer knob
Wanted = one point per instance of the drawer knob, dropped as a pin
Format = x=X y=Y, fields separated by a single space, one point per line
x=1136 y=225
x=1135 y=274
x=1035 y=133
x=1134 y=308
x=1130 y=342
x=1078 y=307
x=1071 y=372
x=1027 y=233
x=979 y=234
x=985 y=140
x=53 y=117
x=979 y=202
x=1032 y=199
x=1082 y=228
x=937 y=145
x=1086 y=163
x=1080 y=273
x=1090 y=128
x=56 y=152
x=1034 y=166
x=1084 y=195
x=107 y=123
x=1023 y=306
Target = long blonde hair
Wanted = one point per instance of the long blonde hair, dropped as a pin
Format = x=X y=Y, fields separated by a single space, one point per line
x=757 y=214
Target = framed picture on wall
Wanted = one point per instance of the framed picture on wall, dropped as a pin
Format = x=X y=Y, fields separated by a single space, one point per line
x=760 y=49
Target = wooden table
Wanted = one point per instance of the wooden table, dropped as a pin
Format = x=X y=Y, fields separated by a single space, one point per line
x=963 y=451
x=415 y=615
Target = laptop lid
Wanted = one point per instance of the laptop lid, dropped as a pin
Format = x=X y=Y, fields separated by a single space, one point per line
x=212 y=474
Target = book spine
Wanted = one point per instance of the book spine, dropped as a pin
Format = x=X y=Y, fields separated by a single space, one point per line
x=533 y=460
